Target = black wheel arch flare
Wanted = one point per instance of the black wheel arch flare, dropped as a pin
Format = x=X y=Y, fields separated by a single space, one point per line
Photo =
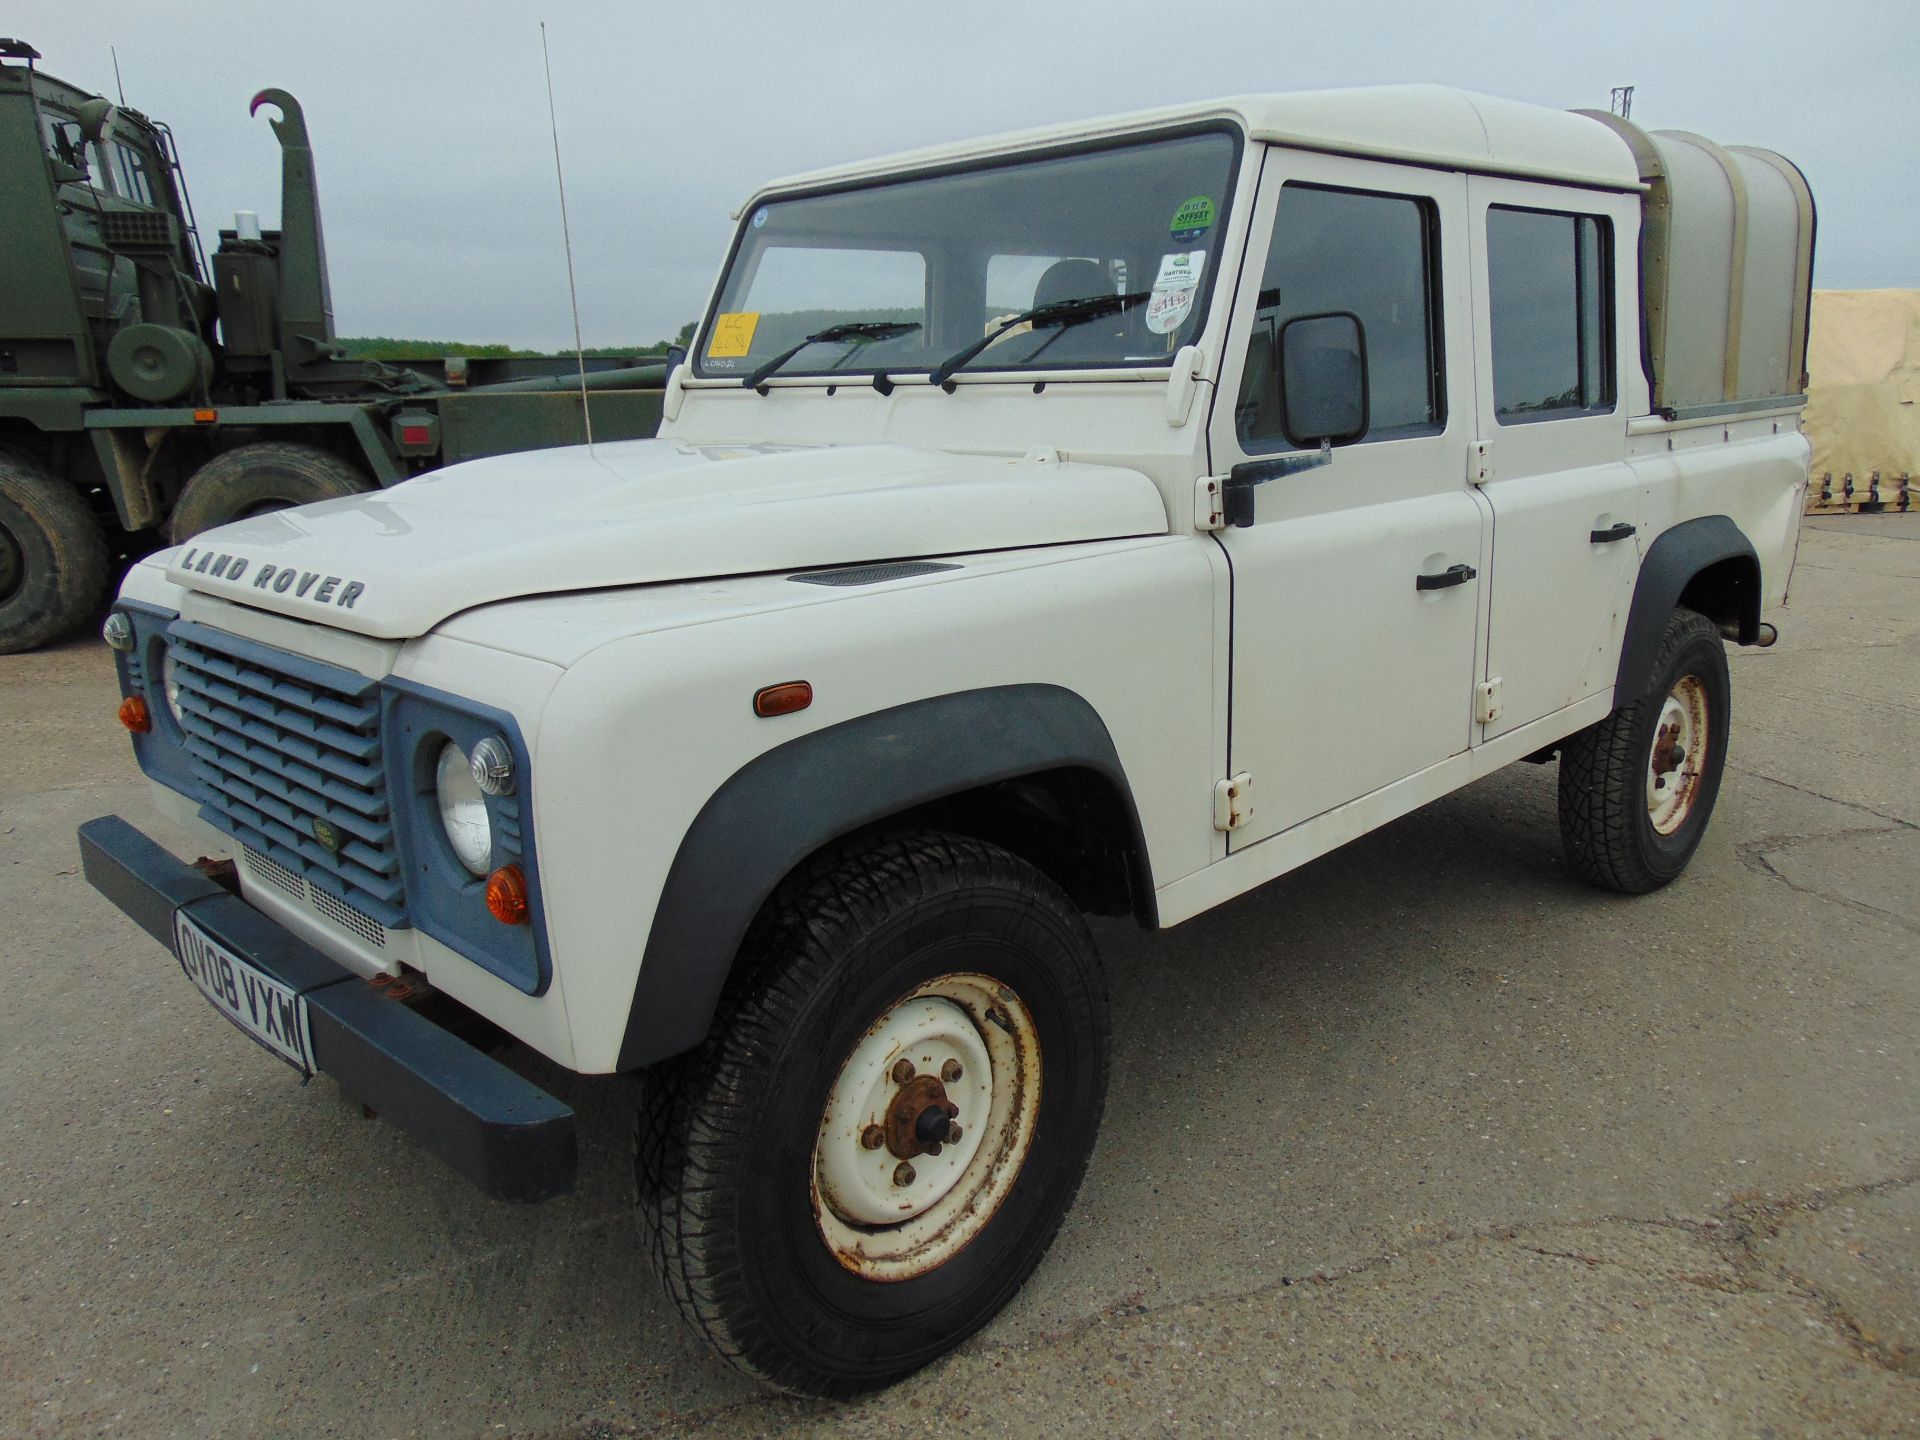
x=1678 y=557
x=787 y=803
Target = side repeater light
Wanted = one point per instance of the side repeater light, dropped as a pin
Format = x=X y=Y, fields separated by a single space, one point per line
x=507 y=895
x=782 y=699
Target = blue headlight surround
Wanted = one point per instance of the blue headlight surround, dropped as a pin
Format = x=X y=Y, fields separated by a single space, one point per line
x=447 y=901
x=162 y=751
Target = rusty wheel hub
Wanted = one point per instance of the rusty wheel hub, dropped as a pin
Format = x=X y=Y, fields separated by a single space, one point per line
x=919 y=1118
x=926 y=1127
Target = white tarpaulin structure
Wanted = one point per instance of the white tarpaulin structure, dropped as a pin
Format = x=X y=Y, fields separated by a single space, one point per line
x=1863 y=399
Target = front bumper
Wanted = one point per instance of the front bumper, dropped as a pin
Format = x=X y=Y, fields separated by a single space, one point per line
x=505 y=1134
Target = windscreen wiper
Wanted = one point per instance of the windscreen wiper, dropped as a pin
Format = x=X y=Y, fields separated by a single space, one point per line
x=1042 y=317
x=861 y=332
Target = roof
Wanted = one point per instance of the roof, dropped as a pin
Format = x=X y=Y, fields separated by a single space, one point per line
x=1433 y=125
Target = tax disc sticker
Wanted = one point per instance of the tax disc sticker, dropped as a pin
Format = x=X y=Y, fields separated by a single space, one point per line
x=759 y=217
x=1192 y=220
x=1171 y=299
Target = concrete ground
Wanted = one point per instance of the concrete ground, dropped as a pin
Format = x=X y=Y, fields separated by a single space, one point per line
x=1425 y=1139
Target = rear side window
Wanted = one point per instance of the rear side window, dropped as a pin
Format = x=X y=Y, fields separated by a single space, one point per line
x=1550 y=289
x=1369 y=254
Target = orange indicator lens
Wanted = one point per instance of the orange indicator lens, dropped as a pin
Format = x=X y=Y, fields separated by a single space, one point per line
x=133 y=715
x=782 y=699
x=507 y=895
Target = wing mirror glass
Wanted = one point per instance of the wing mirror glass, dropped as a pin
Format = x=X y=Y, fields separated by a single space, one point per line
x=1323 y=378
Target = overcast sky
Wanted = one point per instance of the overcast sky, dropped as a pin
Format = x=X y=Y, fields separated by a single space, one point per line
x=429 y=120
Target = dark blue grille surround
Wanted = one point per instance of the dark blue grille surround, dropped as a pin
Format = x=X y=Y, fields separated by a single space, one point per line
x=279 y=742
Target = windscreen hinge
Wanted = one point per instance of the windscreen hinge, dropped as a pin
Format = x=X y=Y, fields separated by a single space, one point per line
x=1209 y=503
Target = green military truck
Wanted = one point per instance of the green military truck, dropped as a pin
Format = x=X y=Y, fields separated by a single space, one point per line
x=146 y=395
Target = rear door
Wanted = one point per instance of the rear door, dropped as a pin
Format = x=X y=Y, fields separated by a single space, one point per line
x=1347 y=675
x=1551 y=328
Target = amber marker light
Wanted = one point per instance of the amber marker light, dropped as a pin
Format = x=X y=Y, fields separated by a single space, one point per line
x=133 y=715
x=782 y=699
x=205 y=417
x=507 y=895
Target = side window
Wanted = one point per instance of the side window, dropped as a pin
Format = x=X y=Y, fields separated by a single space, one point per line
x=1550 y=291
x=130 y=174
x=1373 y=255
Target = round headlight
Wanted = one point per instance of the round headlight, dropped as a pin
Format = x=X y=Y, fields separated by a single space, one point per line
x=463 y=810
x=170 y=684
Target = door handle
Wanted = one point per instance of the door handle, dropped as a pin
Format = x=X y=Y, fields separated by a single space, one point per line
x=1452 y=575
x=1611 y=534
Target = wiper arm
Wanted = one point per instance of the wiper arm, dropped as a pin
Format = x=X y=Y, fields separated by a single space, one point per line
x=1042 y=317
x=862 y=332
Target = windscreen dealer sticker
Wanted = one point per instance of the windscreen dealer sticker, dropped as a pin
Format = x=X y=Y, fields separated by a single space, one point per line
x=1171 y=300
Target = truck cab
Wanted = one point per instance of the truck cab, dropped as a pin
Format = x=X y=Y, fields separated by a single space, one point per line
x=1105 y=519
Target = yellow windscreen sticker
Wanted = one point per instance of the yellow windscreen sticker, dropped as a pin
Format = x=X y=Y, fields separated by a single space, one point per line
x=733 y=334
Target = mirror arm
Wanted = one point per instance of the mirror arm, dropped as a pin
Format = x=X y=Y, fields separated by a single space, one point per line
x=1237 y=494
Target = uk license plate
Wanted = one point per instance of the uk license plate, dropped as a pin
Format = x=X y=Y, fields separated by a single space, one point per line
x=268 y=1011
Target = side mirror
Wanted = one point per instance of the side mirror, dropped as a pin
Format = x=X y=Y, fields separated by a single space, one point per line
x=1323 y=378
x=676 y=356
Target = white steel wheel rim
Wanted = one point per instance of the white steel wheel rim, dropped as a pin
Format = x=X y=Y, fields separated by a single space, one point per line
x=1679 y=755
x=893 y=1210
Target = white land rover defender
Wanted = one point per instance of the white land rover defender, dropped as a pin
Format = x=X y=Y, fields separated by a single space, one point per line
x=1102 y=519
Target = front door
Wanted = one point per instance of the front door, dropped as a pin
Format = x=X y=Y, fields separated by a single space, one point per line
x=1348 y=674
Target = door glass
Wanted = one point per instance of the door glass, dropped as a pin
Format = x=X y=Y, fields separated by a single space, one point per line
x=1550 y=298
x=1368 y=254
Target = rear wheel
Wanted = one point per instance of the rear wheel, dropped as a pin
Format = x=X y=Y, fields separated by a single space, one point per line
x=1637 y=789
x=255 y=479
x=53 y=556
x=893 y=1113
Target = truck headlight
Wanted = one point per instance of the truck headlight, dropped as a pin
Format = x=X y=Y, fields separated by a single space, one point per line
x=463 y=810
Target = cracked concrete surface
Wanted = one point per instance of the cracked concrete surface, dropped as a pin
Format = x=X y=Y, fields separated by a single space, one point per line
x=1424 y=1139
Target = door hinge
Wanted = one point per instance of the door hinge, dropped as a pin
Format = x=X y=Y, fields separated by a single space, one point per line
x=1479 y=461
x=1233 y=802
x=1209 y=503
x=1486 y=701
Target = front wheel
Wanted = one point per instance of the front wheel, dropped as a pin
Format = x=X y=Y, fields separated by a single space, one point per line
x=890 y=1120
x=1637 y=789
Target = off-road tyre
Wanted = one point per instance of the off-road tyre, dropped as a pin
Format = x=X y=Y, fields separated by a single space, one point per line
x=254 y=479
x=54 y=567
x=1606 y=823
x=729 y=1134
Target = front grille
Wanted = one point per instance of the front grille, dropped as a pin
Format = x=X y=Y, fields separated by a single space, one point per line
x=346 y=916
x=288 y=750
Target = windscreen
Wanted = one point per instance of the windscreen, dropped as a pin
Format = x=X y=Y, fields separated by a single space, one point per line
x=931 y=265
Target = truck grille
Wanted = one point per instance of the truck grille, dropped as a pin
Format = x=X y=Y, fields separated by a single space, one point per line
x=288 y=752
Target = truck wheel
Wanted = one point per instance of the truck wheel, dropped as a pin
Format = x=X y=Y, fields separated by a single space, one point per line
x=53 y=558
x=1637 y=789
x=253 y=479
x=889 y=1120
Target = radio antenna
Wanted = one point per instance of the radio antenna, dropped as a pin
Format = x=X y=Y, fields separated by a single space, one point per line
x=116 y=76
x=566 y=238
